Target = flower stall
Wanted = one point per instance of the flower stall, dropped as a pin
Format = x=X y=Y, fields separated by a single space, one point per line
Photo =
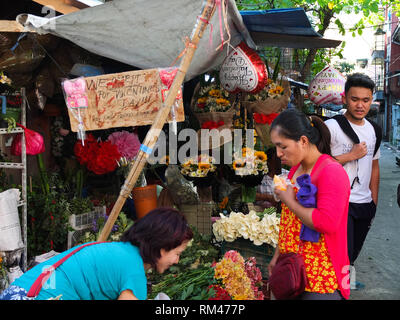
x=104 y=122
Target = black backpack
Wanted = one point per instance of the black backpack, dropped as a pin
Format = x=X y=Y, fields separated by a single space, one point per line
x=348 y=130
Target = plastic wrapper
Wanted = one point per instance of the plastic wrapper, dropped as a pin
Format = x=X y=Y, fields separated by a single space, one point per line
x=34 y=142
x=281 y=182
x=181 y=190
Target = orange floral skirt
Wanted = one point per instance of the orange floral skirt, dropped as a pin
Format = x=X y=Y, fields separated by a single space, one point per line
x=319 y=269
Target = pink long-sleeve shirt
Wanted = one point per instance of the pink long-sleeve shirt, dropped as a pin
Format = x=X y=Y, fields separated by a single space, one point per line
x=330 y=216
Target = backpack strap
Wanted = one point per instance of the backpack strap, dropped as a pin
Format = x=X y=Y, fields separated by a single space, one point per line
x=348 y=130
x=37 y=285
x=378 y=134
x=346 y=127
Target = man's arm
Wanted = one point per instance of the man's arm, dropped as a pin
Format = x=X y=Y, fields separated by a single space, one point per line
x=358 y=151
x=374 y=183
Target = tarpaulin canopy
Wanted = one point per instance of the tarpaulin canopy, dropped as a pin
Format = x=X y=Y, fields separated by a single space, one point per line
x=151 y=34
x=289 y=28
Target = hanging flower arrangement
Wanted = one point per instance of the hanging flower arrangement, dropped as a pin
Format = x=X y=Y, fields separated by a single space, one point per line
x=211 y=98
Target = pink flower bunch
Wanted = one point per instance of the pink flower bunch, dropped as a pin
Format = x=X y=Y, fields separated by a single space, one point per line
x=255 y=276
x=127 y=143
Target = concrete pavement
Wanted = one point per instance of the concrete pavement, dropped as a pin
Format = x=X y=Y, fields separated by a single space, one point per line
x=378 y=265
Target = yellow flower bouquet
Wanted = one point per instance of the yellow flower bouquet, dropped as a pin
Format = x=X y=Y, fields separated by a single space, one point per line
x=273 y=98
x=212 y=107
x=200 y=170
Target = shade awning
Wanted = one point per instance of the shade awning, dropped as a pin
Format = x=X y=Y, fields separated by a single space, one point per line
x=289 y=28
x=151 y=34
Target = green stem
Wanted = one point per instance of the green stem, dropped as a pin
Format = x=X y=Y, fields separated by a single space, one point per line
x=43 y=174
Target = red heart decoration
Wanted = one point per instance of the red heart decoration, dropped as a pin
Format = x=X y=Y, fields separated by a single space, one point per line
x=243 y=70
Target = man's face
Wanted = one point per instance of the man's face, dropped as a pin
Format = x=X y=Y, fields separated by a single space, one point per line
x=358 y=101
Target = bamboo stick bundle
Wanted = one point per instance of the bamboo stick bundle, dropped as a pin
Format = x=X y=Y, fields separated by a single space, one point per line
x=161 y=117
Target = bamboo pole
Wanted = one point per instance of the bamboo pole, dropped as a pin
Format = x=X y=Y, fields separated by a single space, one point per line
x=161 y=117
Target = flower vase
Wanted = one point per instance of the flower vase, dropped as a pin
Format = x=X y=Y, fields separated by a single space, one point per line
x=248 y=194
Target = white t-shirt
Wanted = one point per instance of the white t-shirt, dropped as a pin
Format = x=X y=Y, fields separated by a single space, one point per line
x=341 y=143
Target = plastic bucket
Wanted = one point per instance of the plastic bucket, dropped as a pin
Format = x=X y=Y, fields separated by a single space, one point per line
x=145 y=199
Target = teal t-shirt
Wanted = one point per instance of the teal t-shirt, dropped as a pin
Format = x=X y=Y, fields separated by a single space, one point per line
x=98 y=272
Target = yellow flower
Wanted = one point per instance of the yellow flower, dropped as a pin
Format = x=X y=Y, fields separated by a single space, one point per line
x=238 y=164
x=260 y=155
x=204 y=166
x=202 y=100
x=214 y=93
x=222 y=102
x=246 y=150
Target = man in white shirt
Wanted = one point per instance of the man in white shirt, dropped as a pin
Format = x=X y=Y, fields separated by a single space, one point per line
x=359 y=160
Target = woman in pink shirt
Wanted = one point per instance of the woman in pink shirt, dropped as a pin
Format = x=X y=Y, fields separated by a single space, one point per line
x=303 y=143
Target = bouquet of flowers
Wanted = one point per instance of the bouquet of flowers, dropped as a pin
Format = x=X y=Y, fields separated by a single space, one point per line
x=200 y=170
x=258 y=228
x=249 y=162
x=237 y=279
x=271 y=90
x=274 y=97
x=212 y=98
x=100 y=157
x=127 y=143
x=262 y=124
x=211 y=104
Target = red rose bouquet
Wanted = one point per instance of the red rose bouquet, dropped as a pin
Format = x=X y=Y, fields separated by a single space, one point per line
x=100 y=157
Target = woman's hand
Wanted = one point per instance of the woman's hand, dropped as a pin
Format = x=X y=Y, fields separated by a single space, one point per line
x=273 y=261
x=286 y=196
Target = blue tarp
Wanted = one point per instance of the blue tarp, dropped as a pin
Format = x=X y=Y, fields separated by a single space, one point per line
x=288 y=28
x=293 y=21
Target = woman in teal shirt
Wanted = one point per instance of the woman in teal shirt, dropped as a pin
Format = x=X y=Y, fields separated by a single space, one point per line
x=112 y=270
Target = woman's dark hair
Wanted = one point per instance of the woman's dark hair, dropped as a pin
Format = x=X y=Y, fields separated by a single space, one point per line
x=359 y=80
x=162 y=228
x=292 y=124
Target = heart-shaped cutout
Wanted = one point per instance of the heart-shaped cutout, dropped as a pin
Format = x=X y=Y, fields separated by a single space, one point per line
x=327 y=87
x=243 y=70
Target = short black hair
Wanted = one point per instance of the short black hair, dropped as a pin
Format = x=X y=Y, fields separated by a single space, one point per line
x=162 y=228
x=359 y=80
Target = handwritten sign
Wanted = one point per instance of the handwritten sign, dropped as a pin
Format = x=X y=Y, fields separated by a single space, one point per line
x=124 y=99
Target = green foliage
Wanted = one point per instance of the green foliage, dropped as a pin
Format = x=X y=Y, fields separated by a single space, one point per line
x=189 y=279
x=47 y=222
x=324 y=12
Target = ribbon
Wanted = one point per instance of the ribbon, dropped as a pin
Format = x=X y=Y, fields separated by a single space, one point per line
x=188 y=44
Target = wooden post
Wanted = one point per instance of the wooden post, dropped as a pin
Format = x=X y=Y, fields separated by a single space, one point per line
x=161 y=118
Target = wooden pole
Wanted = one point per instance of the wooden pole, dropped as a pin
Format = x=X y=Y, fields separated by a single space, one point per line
x=161 y=117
